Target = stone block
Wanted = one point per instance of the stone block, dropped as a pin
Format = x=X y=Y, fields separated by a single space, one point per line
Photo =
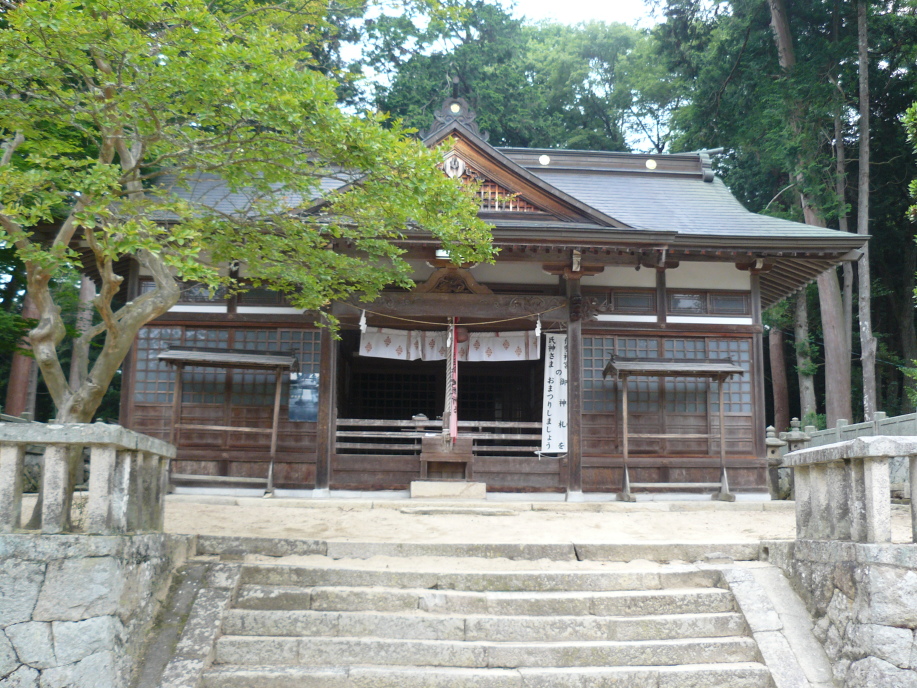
x=888 y=597
x=753 y=601
x=23 y=677
x=95 y=671
x=840 y=610
x=779 y=658
x=20 y=584
x=893 y=645
x=8 y=660
x=432 y=489
x=77 y=589
x=223 y=576
x=871 y=672
x=182 y=673
x=33 y=644
x=272 y=547
x=76 y=640
x=203 y=625
x=834 y=643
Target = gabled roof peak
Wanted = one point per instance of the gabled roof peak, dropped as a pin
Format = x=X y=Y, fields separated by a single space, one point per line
x=453 y=111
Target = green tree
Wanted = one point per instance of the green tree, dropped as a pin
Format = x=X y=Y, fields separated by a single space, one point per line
x=108 y=109
x=593 y=86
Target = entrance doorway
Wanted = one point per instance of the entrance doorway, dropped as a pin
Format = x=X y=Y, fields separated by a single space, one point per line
x=387 y=389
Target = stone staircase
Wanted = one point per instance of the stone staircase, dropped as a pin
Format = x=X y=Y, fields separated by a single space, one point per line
x=288 y=622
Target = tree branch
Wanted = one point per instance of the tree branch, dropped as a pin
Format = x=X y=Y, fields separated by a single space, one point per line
x=10 y=147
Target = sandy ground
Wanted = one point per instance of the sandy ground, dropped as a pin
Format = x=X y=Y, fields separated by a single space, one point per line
x=407 y=521
x=486 y=522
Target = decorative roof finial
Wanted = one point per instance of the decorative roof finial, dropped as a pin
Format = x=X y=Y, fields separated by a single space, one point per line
x=455 y=109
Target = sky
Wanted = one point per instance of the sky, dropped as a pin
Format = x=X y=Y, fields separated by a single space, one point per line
x=575 y=11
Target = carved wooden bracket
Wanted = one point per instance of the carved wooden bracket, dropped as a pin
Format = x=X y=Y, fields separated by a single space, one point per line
x=569 y=273
x=757 y=266
x=451 y=280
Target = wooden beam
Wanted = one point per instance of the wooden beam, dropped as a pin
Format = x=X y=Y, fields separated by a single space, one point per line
x=275 y=424
x=438 y=306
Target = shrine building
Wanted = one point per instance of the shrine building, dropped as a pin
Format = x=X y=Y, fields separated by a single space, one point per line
x=614 y=348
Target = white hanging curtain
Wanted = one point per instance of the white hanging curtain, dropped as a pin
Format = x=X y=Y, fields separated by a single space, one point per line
x=411 y=345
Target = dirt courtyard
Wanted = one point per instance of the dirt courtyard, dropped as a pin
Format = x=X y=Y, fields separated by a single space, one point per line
x=490 y=522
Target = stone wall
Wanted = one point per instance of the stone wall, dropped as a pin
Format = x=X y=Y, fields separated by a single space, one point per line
x=75 y=609
x=863 y=599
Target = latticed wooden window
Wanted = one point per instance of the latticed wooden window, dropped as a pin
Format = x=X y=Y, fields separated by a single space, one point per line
x=254 y=387
x=205 y=385
x=495 y=197
x=598 y=394
x=642 y=392
x=154 y=381
x=685 y=394
x=736 y=391
x=257 y=388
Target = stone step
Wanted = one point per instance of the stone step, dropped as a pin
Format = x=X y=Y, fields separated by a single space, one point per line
x=609 y=603
x=261 y=650
x=650 y=579
x=423 y=626
x=349 y=549
x=737 y=675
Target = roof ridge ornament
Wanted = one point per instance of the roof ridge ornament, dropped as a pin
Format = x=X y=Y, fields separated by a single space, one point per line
x=455 y=110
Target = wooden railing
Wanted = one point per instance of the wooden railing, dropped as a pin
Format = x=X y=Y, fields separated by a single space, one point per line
x=403 y=437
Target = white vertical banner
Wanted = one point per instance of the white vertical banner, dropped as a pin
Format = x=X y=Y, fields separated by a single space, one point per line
x=554 y=406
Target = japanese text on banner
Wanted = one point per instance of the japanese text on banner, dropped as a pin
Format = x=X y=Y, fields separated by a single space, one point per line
x=554 y=407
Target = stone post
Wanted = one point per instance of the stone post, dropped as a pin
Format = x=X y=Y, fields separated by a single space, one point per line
x=55 y=490
x=878 y=500
x=12 y=459
x=101 y=486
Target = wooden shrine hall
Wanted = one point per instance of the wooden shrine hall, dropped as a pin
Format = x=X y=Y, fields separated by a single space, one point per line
x=614 y=347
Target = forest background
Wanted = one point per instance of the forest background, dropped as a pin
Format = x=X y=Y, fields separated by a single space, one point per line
x=785 y=109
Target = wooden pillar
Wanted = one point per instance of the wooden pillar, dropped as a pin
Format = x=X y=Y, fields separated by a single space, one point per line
x=275 y=427
x=574 y=388
x=759 y=430
x=327 y=416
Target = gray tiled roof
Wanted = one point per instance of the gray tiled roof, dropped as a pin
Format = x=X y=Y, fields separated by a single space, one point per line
x=210 y=191
x=683 y=204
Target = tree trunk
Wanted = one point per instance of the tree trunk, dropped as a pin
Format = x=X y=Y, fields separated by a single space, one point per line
x=840 y=182
x=804 y=365
x=902 y=298
x=837 y=353
x=867 y=341
x=79 y=363
x=837 y=349
x=778 y=379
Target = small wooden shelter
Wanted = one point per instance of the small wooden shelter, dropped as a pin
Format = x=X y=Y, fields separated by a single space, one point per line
x=203 y=357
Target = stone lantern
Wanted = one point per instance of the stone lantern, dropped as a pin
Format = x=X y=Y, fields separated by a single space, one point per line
x=774 y=460
x=795 y=439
